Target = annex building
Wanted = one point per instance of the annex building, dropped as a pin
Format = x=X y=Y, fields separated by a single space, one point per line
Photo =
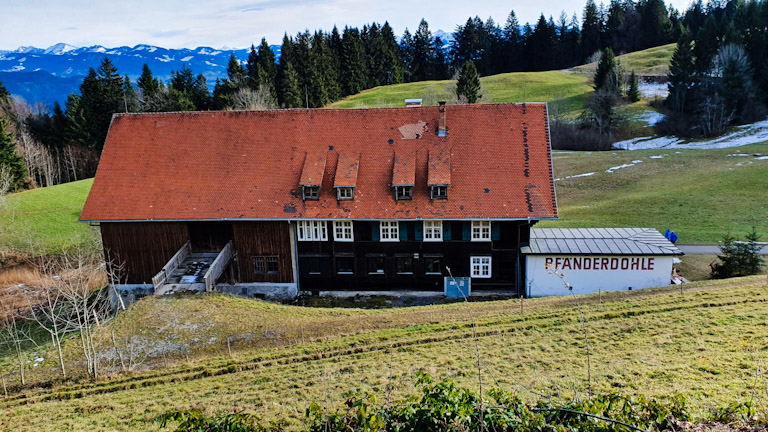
x=258 y=203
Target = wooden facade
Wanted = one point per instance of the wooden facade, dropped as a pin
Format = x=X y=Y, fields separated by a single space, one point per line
x=142 y=248
x=411 y=263
x=263 y=239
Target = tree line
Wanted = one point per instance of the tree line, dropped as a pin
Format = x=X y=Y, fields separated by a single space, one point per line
x=316 y=68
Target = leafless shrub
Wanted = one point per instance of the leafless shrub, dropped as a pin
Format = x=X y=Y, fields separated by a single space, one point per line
x=254 y=100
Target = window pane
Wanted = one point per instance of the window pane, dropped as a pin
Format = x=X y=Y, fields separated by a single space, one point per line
x=432 y=265
x=376 y=265
x=405 y=265
x=345 y=265
x=272 y=264
x=258 y=265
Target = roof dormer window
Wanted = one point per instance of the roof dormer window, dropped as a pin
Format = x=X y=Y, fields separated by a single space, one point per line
x=311 y=193
x=403 y=192
x=439 y=192
x=345 y=193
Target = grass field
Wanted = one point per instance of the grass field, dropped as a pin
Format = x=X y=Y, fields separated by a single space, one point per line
x=45 y=220
x=648 y=62
x=700 y=194
x=570 y=91
x=704 y=344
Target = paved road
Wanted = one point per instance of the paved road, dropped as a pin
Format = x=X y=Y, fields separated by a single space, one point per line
x=710 y=249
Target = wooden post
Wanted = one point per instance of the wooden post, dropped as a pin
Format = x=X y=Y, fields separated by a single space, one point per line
x=431 y=318
x=229 y=348
x=5 y=390
x=302 y=334
x=521 y=304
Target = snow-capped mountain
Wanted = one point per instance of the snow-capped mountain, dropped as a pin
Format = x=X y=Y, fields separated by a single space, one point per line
x=50 y=74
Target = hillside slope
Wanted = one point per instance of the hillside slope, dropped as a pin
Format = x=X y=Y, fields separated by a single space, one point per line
x=703 y=344
x=45 y=220
x=569 y=90
x=651 y=62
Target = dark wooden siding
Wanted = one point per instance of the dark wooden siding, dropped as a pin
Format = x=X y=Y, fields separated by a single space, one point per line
x=319 y=260
x=142 y=248
x=253 y=239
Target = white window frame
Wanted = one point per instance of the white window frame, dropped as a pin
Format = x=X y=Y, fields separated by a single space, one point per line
x=480 y=267
x=389 y=231
x=345 y=193
x=433 y=230
x=481 y=230
x=343 y=232
x=312 y=230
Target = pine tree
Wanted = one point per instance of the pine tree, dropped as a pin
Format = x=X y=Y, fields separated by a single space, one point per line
x=151 y=91
x=541 y=45
x=468 y=84
x=77 y=129
x=200 y=96
x=511 y=44
x=591 y=28
x=4 y=92
x=289 y=90
x=58 y=127
x=422 y=53
x=353 y=62
x=252 y=68
x=10 y=161
x=131 y=98
x=607 y=76
x=406 y=49
x=681 y=77
x=391 y=58
x=656 y=26
x=706 y=45
x=633 y=94
x=268 y=68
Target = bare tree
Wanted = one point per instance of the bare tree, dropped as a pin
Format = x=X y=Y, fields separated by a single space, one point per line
x=254 y=100
x=81 y=290
x=6 y=180
x=51 y=315
x=11 y=333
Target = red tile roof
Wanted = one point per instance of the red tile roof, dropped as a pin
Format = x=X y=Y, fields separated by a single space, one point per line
x=314 y=169
x=404 y=169
x=346 y=170
x=248 y=165
x=439 y=168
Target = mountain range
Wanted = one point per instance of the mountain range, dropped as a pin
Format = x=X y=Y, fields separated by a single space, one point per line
x=51 y=74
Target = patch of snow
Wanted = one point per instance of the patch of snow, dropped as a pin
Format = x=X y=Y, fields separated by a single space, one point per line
x=165 y=58
x=762 y=158
x=16 y=68
x=739 y=164
x=738 y=154
x=210 y=64
x=59 y=48
x=187 y=58
x=650 y=117
x=22 y=60
x=576 y=176
x=98 y=49
x=204 y=51
x=652 y=89
x=741 y=136
x=658 y=156
x=616 y=168
x=115 y=52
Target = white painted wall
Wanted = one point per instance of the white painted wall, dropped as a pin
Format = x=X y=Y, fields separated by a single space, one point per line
x=615 y=274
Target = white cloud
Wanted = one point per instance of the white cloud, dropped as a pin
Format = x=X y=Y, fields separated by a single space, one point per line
x=193 y=23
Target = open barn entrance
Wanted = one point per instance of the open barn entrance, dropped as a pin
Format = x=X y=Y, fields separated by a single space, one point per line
x=209 y=236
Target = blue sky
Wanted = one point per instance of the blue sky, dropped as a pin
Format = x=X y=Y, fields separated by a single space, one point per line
x=237 y=24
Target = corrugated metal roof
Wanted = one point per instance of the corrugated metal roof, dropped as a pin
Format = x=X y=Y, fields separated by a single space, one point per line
x=599 y=241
